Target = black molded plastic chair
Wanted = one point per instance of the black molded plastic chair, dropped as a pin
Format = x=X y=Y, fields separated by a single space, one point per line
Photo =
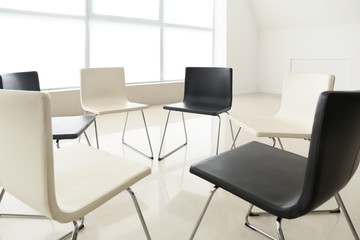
x=21 y=81
x=67 y=127
x=288 y=185
x=208 y=90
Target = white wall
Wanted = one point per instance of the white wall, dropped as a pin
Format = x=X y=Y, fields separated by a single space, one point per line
x=242 y=46
x=325 y=44
x=307 y=35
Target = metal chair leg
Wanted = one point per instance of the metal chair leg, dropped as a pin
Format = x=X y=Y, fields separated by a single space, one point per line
x=347 y=217
x=218 y=138
x=213 y=190
x=274 y=141
x=281 y=146
x=74 y=233
x=132 y=194
x=87 y=139
x=162 y=141
x=96 y=134
x=2 y=194
x=279 y=229
x=147 y=134
x=231 y=128
x=278 y=220
x=248 y=224
x=236 y=136
x=335 y=210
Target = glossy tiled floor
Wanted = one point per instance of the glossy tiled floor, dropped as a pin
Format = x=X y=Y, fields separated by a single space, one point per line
x=171 y=198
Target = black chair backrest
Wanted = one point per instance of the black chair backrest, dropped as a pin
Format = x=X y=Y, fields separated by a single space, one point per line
x=208 y=85
x=21 y=81
x=334 y=152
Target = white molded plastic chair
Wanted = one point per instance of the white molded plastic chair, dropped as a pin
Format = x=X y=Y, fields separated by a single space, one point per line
x=64 y=185
x=296 y=115
x=103 y=91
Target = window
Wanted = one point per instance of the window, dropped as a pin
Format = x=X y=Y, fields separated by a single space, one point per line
x=143 y=9
x=133 y=46
x=154 y=40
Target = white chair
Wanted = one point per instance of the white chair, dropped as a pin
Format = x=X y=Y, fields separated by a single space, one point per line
x=103 y=91
x=64 y=185
x=296 y=114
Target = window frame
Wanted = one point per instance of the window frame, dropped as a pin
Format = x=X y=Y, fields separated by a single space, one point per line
x=89 y=15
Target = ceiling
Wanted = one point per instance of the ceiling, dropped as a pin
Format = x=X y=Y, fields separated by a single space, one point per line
x=277 y=14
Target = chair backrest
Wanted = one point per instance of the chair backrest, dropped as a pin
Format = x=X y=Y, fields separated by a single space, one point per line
x=21 y=81
x=334 y=153
x=211 y=85
x=300 y=94
x=26 y=147
x=102 y=83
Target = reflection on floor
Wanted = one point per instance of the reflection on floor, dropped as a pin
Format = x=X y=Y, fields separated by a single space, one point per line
x=171 y=198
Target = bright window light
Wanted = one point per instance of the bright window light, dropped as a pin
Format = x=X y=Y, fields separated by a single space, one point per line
x=146 y=9
x=185 y=48
x=51 y=46
x=154 y=40
x=132 y=46
x=72 y=7
x=189 y=12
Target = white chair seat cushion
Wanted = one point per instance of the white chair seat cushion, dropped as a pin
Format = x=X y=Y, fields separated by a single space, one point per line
x=86 y=177
x=105 y=106
x=272 y=126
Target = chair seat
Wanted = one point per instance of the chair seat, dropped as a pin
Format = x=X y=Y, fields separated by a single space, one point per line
x=101 y=106
x=272 y=126
x=259 y=174
x=200 y=108
x=70 y=127
x=86 y=177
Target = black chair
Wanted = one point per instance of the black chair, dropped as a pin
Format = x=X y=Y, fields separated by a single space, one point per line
x=208 y=90
x=67 y=127
x=288 y=185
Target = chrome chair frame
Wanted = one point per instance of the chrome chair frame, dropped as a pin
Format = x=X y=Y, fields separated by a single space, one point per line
x=151 y=156
x=186 y=139
x=147 y=134
x=162 y=141
x=278 y=220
